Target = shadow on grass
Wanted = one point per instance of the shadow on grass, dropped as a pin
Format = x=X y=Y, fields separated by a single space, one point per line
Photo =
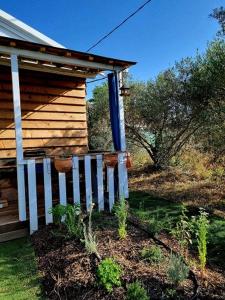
x=146 y=207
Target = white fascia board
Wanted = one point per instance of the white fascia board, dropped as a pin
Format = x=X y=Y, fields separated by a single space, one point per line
x=12 y=27
x=57 y=59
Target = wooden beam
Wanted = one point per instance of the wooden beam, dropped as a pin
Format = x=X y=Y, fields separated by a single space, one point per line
x=19 y=138
x=57 y=59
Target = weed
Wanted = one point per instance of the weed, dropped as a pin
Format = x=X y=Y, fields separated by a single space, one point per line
x=202 y=227
x=157 y=224
x=121 y=212
x=152 y=254
x=135 y=291
x=177 y=270
x=58 y=212
x=109 y=274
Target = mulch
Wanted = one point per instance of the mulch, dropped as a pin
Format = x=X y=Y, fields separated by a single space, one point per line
x=68 y=272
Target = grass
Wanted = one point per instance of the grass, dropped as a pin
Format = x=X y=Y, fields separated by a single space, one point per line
x=19 y=277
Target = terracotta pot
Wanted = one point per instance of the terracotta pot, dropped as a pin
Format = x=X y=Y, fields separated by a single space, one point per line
x=63 y=165
x=111 y=160
x=128 y=160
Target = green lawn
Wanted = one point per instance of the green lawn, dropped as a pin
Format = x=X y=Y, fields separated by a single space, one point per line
x=18 y=271
x=161 y=214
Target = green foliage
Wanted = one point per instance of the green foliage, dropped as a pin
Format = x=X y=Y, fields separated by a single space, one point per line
x=135 y=291
x=219 y=15
x=152 y=254
x=109 y=274
x=183 y=231
x=177 y=270
x=71 y=216
x=89 y=237
x=121 y=212
x=202 y=227
x=157 y=224
x=58 y=213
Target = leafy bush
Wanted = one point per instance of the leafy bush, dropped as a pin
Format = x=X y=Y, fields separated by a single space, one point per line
x=89 y=238
x=71 y=216
x=202 y=227
x=152 y=254
x=177 y=270
x=135 y=291
x=109 y=274
x=157 y=224
x=121 y=212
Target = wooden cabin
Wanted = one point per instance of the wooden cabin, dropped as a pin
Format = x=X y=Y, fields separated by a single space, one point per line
x=43 y=115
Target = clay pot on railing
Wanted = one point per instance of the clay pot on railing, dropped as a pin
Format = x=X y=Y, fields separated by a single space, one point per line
x=128 y=160
x=111 y=159
x=63 y=164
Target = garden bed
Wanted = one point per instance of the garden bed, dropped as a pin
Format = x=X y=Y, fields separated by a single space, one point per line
x=70 y=273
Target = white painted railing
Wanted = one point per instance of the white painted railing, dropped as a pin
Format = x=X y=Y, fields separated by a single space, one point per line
x=102 y=185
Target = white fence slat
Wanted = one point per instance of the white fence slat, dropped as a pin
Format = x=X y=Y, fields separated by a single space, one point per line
x=32 y=191
x=76 y=180
x=88 y=186
x=100 y=182
x=21 y=191
x=47 y=189
x=110 y=172
x=121 y=175
x=62 y=188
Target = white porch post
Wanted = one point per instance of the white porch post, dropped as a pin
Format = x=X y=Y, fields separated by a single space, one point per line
x=124 y=192
x=19 y=138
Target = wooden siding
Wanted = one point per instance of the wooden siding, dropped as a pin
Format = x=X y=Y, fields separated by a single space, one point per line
x=53 y=113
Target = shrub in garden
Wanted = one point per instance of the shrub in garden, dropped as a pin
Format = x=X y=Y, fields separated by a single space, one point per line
x=152 y=254
x=202 y=227
x=71 y=216
x=135 y=291
x=157 y=224
x=177 y=270
x=121 y=212
x=109 y=274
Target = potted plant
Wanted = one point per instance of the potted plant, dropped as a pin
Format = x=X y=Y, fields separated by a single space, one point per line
x=111 y=159
x=63 y=163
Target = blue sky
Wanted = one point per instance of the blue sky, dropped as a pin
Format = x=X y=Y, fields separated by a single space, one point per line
x=163 y=32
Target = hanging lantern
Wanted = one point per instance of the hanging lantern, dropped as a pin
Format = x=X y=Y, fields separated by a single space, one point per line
x=124 y=90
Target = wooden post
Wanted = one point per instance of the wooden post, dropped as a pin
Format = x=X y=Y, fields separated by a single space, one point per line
x=62 y=188
x=19 y=138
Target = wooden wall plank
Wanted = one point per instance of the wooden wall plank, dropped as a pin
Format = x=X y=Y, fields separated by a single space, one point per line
x=57 y=124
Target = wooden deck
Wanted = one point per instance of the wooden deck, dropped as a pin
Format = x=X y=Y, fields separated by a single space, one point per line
x=11 y=228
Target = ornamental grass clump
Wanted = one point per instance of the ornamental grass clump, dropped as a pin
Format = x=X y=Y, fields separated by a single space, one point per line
x=121 y=212
x=109 y=274
x=135 y=291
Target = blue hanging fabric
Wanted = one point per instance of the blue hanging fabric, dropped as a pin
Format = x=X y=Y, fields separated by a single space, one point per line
x=114 y=110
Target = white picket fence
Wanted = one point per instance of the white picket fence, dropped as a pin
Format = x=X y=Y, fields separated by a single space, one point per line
x=88 y=173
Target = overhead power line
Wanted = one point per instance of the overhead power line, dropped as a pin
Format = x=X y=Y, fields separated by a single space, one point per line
x=118 y=26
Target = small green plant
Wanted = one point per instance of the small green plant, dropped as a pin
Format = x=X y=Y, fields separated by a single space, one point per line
x=177 y=270
x=135 y=291
x=152 y=254
x=58 y=212
x=109 y=274
x=70 y=215
x=183 y=232
x=171 y=293
x=89 y=237
x=202 y=227
x=121 y=212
